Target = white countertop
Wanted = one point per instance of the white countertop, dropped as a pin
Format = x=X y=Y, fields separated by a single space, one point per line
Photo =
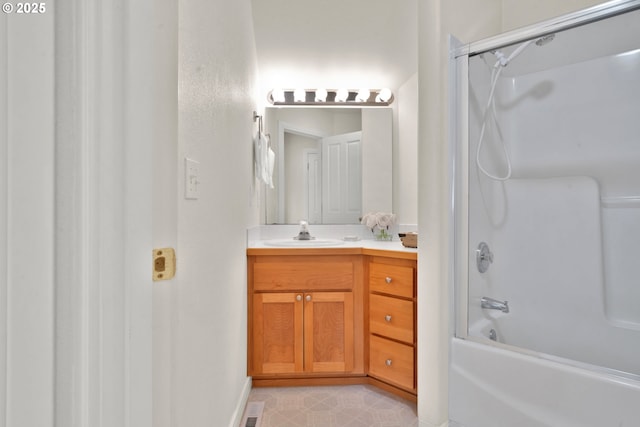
x=259 y=237
x=394 y=245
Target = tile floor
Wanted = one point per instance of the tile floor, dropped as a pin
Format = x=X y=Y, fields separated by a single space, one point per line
x=333 y=406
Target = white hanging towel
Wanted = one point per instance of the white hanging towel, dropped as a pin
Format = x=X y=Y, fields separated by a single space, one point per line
x=270 y=164
x=264 y=152
x=261 y=157
x=257 y=158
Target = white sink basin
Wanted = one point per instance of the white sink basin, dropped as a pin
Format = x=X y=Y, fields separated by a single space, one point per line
x=293 y=243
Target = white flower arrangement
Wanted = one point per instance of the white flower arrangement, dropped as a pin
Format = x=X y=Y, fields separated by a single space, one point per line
x=382 y=221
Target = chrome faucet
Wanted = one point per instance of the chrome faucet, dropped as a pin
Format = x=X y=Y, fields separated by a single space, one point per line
x=494 y=304
x=304 y=231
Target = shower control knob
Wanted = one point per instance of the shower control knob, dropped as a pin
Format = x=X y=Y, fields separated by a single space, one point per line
x=387 y=318
x=484 y=257
x=387 y=279
x=388 y=362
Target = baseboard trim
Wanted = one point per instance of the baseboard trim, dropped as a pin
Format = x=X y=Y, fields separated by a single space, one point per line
x=236 y=419
x=393 y=389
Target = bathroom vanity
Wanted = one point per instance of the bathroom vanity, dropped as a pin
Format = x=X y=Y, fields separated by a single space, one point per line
x=337 y=315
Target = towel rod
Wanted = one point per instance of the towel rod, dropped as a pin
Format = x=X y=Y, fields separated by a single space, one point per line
x=257 y=117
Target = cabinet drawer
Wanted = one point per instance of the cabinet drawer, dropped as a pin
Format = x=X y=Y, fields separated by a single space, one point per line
x=391 y=279
x=391 y=317
x=391 y=361
x=306 y=274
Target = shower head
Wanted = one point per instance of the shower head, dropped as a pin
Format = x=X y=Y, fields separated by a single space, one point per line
x=503 y=60
x=545 y=39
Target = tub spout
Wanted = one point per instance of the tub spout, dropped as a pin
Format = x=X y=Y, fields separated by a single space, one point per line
x=494 y=304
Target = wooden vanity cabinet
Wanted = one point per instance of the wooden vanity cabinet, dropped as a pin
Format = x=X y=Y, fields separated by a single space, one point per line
x=392 y=321
x=332 y=316
x=303 y=320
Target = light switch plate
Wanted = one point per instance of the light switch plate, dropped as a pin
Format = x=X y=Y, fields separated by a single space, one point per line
x=191 y=179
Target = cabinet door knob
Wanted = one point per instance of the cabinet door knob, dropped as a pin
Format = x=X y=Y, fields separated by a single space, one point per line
x=387 y=318
x=387 y=279
x=298 y=297
x=308 y=297
x=388 y=362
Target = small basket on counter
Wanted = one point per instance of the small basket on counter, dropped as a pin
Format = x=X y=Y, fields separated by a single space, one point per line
x=409 y=240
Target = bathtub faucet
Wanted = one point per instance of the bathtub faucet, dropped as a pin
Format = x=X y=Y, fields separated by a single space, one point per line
x=494 y=304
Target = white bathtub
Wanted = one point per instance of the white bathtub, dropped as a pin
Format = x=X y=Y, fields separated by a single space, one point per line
x=494 y=387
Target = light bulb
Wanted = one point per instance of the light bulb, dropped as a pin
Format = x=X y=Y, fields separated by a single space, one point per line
x=321 y=95
x=299 y=95
x=363 y=95
x=342 y=95
x=384 y=95
x=277 y=95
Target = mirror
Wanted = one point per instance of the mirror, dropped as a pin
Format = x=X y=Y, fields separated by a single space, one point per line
x=332 y=164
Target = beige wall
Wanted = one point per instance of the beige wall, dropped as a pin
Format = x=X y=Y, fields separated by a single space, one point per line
x=468 y=21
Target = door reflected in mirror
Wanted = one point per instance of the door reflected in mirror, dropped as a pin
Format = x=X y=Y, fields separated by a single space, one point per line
x=332 y=164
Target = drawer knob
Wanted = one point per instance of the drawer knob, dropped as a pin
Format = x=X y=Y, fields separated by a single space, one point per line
x=387 y=279
x=388 y=362
x=308 y=297
x=387 y=318
x=298 y=297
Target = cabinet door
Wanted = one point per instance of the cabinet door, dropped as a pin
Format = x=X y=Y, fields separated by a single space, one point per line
x=328 y=332
x=277 y=333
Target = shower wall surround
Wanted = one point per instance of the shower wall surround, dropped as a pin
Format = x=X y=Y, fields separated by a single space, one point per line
x=559 y=127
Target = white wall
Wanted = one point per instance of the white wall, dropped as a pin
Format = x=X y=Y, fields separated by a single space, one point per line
x=377 y=160
x=216 y=99
x=26 y=220
x=332 y=44
x=405 y=159
x=438 y=19
x=295 y=165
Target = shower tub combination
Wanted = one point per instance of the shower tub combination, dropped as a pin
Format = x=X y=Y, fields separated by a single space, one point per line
x=547 y=224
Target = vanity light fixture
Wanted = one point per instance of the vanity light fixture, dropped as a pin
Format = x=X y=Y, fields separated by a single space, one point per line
x=331 y=97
